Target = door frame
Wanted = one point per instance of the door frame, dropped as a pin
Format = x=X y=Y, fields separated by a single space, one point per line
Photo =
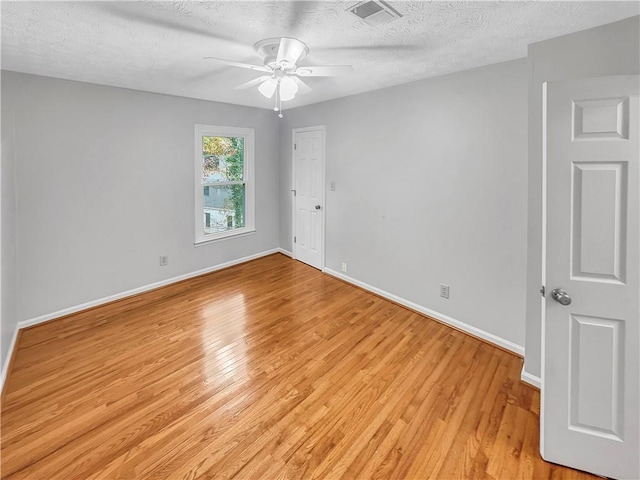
x=323 y=166
x=543 y=300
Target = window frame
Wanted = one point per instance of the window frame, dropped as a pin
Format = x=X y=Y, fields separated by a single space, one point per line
x=248 y=134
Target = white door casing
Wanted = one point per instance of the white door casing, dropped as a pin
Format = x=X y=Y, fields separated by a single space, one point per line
x=309 y=195
x=590 y=379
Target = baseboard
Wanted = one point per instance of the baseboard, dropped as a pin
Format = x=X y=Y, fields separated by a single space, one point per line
x=471 y=330
x=8 y=360
x=285 y=252
x=152 y=286
x=530 y=379
x=476 y=332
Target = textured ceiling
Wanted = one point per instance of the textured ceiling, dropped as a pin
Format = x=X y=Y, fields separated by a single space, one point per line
x=159 y=46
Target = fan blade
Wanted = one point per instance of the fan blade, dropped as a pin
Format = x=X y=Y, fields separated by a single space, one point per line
x=252 y=83
x=324 y=71
x=259 y=68
x=297 y=11
x=359 y=48
x=290 y=50
x=302 y=87
x=127 y=12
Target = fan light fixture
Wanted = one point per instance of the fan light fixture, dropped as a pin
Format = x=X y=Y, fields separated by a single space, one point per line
x=268 y=87
x=288 y=88
x=283 y=86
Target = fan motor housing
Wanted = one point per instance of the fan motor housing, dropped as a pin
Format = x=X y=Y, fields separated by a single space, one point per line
x=268 y=50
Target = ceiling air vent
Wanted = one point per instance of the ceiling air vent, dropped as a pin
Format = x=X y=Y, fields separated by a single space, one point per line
x=374 y=12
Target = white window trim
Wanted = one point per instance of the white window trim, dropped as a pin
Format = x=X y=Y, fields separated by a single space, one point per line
x=249 y=180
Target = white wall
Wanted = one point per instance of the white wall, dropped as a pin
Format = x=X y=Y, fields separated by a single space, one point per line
x=8 y=317
x=104 y=184
x=612 y=49
x=431 y=187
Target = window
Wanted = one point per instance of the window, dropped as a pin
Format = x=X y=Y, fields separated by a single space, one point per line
x=224 y=182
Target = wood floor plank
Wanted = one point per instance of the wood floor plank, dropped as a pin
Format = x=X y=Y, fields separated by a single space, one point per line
x=267 y=370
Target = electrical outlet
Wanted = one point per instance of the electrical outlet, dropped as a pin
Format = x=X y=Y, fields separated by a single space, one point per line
x=344 y=267
x=444 y=290
x=164 y=260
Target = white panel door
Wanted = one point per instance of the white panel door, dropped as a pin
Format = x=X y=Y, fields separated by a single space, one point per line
x=590 y=384
x=308 y=168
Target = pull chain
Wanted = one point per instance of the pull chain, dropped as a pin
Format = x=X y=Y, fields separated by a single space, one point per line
x=278 y=106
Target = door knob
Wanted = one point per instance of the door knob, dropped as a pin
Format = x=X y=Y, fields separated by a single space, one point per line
x=318 y=207
x=561 y=296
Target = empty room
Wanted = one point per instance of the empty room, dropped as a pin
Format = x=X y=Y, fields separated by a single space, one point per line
x=320 y=240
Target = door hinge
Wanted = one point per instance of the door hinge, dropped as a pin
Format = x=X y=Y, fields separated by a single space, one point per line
x=294 y=193
x=542 y=290
x=295 y=146
x=294 y=239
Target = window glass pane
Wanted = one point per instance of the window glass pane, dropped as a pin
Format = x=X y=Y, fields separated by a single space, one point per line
x=222 y=159
x=224 y=208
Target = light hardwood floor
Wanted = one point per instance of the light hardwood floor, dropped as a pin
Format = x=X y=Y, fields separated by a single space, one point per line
x=269 y=369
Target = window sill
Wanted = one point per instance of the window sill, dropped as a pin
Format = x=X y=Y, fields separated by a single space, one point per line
x=224 y=236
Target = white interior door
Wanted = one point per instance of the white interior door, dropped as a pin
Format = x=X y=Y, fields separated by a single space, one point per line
x=590 y=383
x=308 y=201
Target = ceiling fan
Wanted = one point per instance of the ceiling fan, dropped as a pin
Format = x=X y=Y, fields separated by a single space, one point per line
x=280 y=63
